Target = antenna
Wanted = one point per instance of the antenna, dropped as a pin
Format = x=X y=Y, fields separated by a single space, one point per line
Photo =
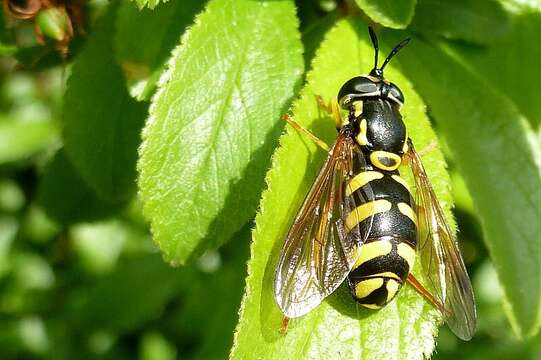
x=374 y=39
x=396 y=49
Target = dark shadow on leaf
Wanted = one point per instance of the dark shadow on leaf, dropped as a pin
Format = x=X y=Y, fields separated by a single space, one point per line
x=342 y=301
x=67 y=198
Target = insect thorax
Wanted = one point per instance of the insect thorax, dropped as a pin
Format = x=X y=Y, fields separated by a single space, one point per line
x=381 y=133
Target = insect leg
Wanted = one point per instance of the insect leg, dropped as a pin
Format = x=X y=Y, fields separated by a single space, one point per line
x=425 y=293
x=331 y=109
x=285 y=323
x=300 y=128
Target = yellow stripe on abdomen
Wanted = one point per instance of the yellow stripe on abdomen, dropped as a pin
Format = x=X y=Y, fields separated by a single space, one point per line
x=399 y=179
x=372 y=250
x=366 y=287
x=392 y=288
x=407 y=253
x=365 y=211
x=361 y=180
x=406 y=210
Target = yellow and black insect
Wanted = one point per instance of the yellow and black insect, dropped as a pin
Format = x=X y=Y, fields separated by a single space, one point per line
x=361 y=222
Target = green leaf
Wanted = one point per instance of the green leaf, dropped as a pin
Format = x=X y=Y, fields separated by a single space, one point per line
x=151 y=4
x=389 y=13
x=6 y=49
x=102 y=122
x=145 y=39
x=66 y=198
x=134 y=293
x=12 y=197
x=98 y=246
x=32 y=272
x=9 y=226
x=314 y=26
x=54 y=23
x=215 y=335
x=499 y=157
x=3 y=32
x=512 y=63
x=480 y=21
x=37 y=227
x=22 y=139
x=154 y=346
x=338 y=328
x=215 y=121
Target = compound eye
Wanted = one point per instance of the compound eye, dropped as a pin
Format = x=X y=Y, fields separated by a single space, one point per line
x=396 y=94
x=356 y=88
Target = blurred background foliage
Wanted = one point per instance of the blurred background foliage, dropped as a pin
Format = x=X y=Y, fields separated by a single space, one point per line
x=80 y=276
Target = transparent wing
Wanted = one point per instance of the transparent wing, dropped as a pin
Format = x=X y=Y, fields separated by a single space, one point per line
x=441 y=260
x=318 y=252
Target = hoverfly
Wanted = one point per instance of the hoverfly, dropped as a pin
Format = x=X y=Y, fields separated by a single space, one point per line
x=361 y=222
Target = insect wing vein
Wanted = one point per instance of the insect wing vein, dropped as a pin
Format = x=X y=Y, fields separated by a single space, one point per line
x=442 y=263
x=318 y=254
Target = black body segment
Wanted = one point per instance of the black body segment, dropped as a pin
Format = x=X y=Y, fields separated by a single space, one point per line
x=391 y=270
x=360 y=85
x=388 y=254
x=365 y=87
x=386 y=130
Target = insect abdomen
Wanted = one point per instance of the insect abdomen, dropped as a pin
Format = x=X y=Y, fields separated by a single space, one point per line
x=388 y=254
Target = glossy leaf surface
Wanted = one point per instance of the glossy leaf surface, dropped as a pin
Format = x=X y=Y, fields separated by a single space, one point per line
x=393 y=14
x=214 y=123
